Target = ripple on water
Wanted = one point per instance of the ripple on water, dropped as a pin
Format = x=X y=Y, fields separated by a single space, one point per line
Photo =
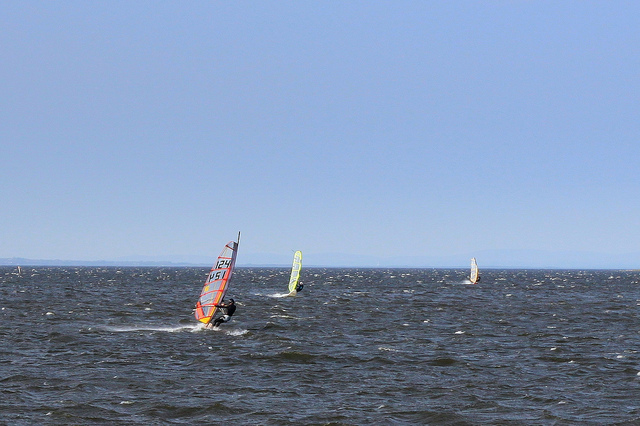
x=358 y=346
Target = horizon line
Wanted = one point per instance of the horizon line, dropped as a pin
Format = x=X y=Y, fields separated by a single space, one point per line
x=21 y=261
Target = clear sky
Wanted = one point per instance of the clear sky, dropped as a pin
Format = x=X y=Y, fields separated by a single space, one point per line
x=371 y=128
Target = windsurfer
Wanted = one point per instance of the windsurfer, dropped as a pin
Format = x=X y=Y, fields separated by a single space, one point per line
x=229 y=310
x=299 y=287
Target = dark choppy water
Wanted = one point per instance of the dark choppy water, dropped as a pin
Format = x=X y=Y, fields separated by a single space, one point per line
x=358 y=346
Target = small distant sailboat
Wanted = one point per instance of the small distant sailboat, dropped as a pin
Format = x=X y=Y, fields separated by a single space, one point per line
x=217 y=282
x=474 y=277
x=295 y=274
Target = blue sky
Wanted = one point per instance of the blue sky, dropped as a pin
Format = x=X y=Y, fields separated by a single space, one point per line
x=435 y=128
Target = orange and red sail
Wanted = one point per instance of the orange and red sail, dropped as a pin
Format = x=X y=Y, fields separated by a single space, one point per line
x=217 y=282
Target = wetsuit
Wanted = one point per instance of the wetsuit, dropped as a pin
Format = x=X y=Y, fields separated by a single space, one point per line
x=229 y=309
x=299 y=287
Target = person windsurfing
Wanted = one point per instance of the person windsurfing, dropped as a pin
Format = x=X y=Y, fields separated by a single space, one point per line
x=229 y=309
x=299 y=287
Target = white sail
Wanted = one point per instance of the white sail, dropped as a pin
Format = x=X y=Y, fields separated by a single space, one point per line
x=474 y=277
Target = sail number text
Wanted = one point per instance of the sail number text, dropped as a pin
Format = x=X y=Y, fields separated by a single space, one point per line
x=220 y=269
x=217 y=275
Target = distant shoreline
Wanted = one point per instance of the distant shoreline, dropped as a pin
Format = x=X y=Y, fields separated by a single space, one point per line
x=23 y=262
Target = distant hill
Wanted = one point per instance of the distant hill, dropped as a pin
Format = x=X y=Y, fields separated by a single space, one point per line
x=531 y=259
x=19 y=261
